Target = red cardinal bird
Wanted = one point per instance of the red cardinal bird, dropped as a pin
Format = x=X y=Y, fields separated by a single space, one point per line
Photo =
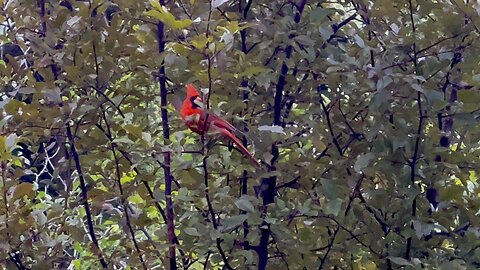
x=194 y=114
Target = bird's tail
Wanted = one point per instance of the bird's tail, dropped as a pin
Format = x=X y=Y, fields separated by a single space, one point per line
x=240 y=146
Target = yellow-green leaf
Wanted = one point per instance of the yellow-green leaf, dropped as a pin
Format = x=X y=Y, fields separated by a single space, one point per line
x=162 y=14
x=134 y=130
x=3 y=144
x=23 y=189
x=136 y=199
x=251 y=71
x=13 y=105
x=200 y=42
x=77 y=264
x=127 y=178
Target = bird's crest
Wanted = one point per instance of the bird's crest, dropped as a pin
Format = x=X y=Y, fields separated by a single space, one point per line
x=192 y=91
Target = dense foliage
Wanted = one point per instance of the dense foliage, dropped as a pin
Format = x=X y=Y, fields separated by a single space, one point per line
x=364 y=115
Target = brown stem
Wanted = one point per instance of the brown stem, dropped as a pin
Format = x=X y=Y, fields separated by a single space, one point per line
x=122 y=194
x=268 y=184
x=329 y=248
x=166 y=155
x=244 y=84
x=41 y=4
x=413 y=162
x=211 y=211
x=83 y=188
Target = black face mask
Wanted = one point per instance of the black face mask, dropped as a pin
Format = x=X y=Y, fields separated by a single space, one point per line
x=194 y=105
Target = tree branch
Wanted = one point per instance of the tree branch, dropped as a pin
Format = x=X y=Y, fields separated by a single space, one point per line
x=267 y=186
x=83 y=188
x=166 y=155
x=416 y=150
x=122 y=194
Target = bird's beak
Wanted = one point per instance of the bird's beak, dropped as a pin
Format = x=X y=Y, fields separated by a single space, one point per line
x=199 y=103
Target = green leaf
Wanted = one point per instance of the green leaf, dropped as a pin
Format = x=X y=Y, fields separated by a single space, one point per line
x=3 y=144
x=433 y=96
x=233 y=221
x=77 y=264
x=248 y=255
x=200 y=41
x=123 y=140
x=192 y=231
x=319 y=14
x=452 y=192
x=274 y=129
x=469 y=96
x=422 y=228
x=304 y=40
x=330 y=188
x=23 y=189
x=333 y=206
x=183 y=195
x=359 y=41
x=400 y=261
x=13 y=105
x=137 y=199
x=363 y=161
x=162 y=14
x=217 y=3
x=251 y=71
x=244 y=204
x=454 y=264
x=127 y=177
x=134 y=130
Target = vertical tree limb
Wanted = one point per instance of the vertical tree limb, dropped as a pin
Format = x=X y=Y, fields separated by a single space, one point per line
x=127 y=156
x=244 y=84
x=83 y=187
x=211 y=211
x=15 y=258
x=267 y=189
x=166 y=155
x=122 y=194
x=415 y=156
x=41 y=5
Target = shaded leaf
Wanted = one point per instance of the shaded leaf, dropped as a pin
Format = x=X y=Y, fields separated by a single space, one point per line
x=363 y=161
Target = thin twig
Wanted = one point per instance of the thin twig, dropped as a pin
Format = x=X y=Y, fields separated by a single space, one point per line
x=122 y=194
x=416 y=150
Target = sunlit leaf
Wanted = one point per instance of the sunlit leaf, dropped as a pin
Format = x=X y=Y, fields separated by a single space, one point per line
x=217 y=3
x=162 y=14
x=274 y=129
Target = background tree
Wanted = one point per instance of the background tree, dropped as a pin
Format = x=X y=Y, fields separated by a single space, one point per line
x=364 y=115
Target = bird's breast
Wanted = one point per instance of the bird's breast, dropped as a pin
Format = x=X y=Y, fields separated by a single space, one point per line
x=193 y=118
